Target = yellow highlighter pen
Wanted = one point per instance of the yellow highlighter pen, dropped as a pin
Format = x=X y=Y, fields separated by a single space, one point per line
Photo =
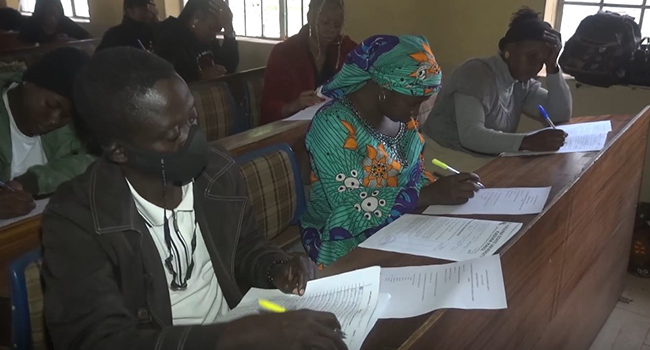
x=270 y=306
x=444 y=166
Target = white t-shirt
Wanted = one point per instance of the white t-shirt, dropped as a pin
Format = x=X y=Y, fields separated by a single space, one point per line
x=202 y=302
x=26 y=151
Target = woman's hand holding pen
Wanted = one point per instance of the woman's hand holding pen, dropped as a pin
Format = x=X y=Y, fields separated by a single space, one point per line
x=450 y=190
x=547 y=140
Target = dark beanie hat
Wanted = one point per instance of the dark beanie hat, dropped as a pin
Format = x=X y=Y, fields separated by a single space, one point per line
x=526 y=25
x=56 y=70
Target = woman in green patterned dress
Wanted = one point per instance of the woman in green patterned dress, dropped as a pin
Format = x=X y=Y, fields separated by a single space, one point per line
x=366 y=150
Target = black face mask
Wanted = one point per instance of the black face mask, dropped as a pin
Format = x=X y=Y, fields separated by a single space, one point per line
x=180 y=167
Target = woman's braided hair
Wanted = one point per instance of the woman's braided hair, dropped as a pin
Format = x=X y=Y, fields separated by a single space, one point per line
x=318 y=5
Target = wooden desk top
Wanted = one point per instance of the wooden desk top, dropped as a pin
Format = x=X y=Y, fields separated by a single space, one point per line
x=290 y=132
x=561 y=171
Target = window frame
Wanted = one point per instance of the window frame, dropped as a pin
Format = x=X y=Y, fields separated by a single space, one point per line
x=74 y=17
x=556 y=17
x=284 y=24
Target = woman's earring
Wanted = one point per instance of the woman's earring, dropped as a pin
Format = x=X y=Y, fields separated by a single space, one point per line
x=507 y=55
x=310 y=31
x=194 y=22
x=382 y=96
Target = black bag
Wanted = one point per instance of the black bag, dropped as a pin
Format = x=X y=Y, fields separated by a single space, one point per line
x=601 y=49
x=638 y=72
x=640 y=252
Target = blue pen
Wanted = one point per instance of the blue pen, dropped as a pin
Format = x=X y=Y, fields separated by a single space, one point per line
x=6 y=187
x=141 y=45
x=542 y=111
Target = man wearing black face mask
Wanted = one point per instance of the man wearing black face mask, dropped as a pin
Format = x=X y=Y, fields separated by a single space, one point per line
x=156 y=242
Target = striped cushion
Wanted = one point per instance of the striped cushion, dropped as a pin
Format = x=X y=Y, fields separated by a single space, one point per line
x=216 y=109
x=254 y=87
x=272 y=189
x=35 y=300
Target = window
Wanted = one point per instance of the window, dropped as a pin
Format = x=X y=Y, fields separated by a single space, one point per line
x=270 y=19
x=76 y=9
x=572 y=12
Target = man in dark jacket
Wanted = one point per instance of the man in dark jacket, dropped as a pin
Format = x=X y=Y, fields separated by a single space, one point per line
x=189 y=42
x=137 y=28
x=120 y=271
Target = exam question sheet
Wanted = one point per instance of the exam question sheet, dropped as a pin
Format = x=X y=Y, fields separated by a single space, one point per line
x=307 y=113
x=470 y=284
x=583 y=137
x=446 y=238
x=498 y=201
x=352 y=297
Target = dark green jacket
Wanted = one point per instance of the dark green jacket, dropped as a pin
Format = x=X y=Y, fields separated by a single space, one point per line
x=66 y=156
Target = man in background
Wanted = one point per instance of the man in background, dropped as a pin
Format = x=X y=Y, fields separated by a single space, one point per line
x=38 y=148
x=137 y=29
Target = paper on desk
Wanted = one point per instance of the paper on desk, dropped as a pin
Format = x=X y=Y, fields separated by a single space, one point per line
x=452 y=239
x=602 y=127
x=498 y=201
x=583 y=137
x=308 y=113
x=40 y=206
x=382 y=305
x=470 y=284
x=351 y=296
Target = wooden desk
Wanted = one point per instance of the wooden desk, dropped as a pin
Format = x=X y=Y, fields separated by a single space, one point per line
x=563 y=271
x=290 y=132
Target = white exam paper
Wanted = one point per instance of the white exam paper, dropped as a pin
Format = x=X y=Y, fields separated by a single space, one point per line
x=382 y=305
x=498 y=201
x=452 y=239
x=583 y=137
x=602 y=127
x=352 y=297
x=417 y=290
x=40 y=206
x=308 y=113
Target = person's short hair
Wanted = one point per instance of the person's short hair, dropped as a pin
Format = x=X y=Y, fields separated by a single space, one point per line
x=108 y=91
x=57 y=69
x=192 y=7
x=129 y=4
x=39 y=8
x=10 y=19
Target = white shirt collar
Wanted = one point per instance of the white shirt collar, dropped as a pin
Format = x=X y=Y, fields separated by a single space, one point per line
x=153 y=214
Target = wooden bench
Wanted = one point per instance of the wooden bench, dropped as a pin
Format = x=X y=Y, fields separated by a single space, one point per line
x=32 y=54
x=10 y=41
x=246 y=90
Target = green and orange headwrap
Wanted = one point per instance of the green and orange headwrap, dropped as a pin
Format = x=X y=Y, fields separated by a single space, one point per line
x=404 y=64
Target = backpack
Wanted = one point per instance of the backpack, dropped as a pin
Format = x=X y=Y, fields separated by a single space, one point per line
x=640 y=250
x=600 y=51
x=638 y=72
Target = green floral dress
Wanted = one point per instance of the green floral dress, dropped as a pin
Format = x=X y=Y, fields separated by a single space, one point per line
x=357 y=185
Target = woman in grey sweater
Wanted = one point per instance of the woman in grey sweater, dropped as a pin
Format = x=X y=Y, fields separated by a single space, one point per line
x=478 y=110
